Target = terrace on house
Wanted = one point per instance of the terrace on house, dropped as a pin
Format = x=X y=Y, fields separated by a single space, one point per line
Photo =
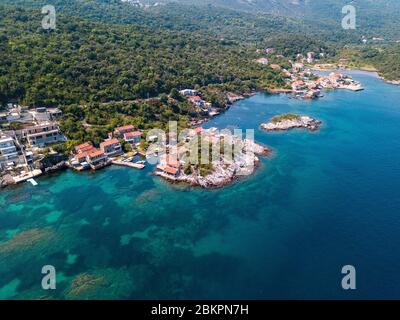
x=43 y=114
x=111 y=148
x=43 y=134
x=133 y=138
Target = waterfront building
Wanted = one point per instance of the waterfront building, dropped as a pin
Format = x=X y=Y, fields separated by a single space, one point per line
x=84 y=147
x=167 y=170
x=97 y=159
x=111 y=148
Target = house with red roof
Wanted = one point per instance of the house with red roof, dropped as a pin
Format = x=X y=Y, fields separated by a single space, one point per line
x=97 y=159
x=133 y=137
x=84 y=147
x=120 y=131
x=167 y=170
x=111 y=148
x=198 y=101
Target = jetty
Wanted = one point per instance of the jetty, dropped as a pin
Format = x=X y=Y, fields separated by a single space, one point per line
x=139 y=166
x=24 y=176
x=353 y=87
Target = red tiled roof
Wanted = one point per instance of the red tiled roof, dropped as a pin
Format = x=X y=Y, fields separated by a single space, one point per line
x=81 y=155
x=95 y=153
x=170 y=170
x=108 y=143
x=84 y=147
x=194 y=98
x=125 y=128
x=132 y=134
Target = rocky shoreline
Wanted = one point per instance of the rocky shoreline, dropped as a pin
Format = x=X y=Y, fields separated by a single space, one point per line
x=394 y=82
x=50 y=164
x=224 y=171
x=290 y=121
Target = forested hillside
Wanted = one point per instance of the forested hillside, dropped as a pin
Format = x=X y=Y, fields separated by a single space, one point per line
x=209 y=20
x=104 y=73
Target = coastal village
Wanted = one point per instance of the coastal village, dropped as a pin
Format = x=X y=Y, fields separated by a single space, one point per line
x=26 y=147
x=302 y=82
x=27 y=138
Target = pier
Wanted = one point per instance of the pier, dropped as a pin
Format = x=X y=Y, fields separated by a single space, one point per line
x=27 y=175
x=129 y=164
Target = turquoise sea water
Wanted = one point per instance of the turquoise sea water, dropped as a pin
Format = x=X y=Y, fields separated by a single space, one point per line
x=322 y=201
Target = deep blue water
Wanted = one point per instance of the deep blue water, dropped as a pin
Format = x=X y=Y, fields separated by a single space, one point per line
x=322 y=201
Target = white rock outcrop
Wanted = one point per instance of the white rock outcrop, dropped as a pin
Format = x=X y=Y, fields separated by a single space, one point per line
x=295 y=122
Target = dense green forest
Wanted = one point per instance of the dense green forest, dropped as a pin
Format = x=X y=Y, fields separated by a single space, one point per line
x=384 y=58
x=103 y=75
x=110 y=63
x=209 y=20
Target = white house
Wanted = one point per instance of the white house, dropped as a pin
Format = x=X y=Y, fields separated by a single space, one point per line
x=8 y=151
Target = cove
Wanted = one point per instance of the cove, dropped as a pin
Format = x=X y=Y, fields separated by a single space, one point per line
x=323 y=200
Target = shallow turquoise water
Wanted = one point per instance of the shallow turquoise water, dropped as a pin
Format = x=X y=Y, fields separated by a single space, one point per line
x=322 y=201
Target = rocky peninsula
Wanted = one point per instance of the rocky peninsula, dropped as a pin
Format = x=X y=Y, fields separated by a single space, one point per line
x=221 y=171
x=291 y=121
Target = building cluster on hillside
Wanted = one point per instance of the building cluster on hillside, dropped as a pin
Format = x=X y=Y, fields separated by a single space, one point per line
x=194 y=97
x=87 y=156
x=16 y=113
x=24 y=133
x=307 y=85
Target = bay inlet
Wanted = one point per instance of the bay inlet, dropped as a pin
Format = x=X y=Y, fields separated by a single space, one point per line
x=324 y=200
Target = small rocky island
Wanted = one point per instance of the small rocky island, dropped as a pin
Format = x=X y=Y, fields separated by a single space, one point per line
x=291 y=121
